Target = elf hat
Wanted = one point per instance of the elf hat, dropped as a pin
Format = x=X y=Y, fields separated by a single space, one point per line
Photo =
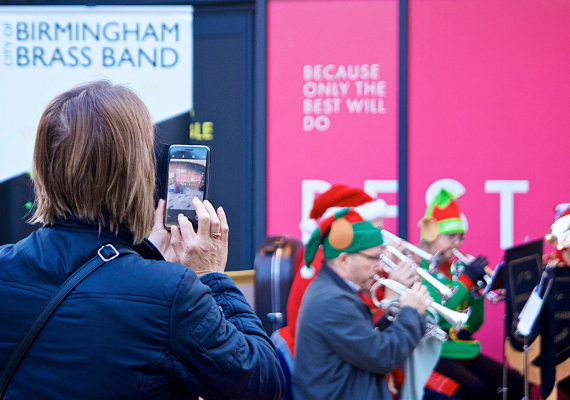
x=343 y=232
x=442 y=216
x=337 y=197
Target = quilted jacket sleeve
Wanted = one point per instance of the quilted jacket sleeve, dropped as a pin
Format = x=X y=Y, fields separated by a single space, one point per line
x=218 y=346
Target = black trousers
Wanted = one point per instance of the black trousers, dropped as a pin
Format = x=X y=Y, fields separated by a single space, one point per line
x=480 y=378
x=431 y=395
x=564 y=385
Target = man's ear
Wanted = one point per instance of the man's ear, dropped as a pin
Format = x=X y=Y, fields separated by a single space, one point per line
x=342 y=257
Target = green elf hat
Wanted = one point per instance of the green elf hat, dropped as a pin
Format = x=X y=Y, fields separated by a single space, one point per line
x=442 y=216
x=343 y=232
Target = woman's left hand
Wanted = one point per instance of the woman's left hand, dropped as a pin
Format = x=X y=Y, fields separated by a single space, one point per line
x=160 y=237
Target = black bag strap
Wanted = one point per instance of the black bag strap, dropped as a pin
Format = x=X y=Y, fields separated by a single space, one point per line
x=105 y=254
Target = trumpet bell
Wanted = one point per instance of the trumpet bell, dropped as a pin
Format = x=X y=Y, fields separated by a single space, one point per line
x=456 y=318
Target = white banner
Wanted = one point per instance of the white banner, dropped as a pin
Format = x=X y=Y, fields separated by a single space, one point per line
x=47 y=50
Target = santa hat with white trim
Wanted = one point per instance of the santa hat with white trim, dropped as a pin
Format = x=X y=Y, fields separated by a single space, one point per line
x=337 y=197
x=561 y=210
x=560 y=230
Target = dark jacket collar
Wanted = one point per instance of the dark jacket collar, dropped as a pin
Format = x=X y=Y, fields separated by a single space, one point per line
x=325 y=269
x=124 y=236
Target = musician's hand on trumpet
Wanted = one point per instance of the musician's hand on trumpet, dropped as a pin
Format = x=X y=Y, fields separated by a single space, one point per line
x=397 y=244
x=405 y=273
x=417 y=297
x=445 y=291
x=475 y=268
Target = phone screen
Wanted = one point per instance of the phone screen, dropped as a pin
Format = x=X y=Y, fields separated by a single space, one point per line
x=187 y=178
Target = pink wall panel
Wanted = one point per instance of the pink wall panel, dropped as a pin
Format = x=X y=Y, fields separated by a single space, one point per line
x=489 y=98
x=350 y=148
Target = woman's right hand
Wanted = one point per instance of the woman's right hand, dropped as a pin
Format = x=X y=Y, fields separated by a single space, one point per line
x=160 y=237
x=203 y=251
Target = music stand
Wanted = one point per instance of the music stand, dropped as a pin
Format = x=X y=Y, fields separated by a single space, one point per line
x=523 y=271
x=529 y=315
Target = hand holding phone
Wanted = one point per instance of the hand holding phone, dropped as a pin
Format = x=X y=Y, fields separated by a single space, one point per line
x=160 y=237
x=202 y=251
x=188 y=177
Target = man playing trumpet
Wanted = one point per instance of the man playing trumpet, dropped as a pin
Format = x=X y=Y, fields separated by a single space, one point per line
x=340 y=354
x=478 y=376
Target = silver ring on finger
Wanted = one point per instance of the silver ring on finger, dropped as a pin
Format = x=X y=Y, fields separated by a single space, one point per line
x=216 y=235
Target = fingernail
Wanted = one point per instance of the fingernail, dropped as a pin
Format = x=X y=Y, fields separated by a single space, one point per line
x=220 y=208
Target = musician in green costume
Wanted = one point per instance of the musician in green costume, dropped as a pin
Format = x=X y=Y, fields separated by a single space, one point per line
x=477 y=376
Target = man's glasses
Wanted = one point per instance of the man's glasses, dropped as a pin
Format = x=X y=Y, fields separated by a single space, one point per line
x=368 y=256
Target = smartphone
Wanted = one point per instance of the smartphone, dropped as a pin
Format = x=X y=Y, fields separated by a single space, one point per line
x=188 y=177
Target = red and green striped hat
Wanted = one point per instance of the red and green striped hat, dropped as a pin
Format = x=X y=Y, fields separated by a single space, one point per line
x=442 y=216
x=344 y=232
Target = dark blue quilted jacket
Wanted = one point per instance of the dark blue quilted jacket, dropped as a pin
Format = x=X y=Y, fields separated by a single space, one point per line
x=137 y=328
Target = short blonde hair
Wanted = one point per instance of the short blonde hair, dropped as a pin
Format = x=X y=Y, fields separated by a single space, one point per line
x=94 y=159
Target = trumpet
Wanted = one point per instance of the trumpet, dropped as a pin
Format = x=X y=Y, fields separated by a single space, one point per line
x=560 y=233
x=432 y=260
x=445 y=291
x=487 y=279
x=466 y=260
x=456 y=318
x=393 y=308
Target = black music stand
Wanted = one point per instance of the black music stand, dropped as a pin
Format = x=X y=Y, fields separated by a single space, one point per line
x=530 y=313
x=523 y=271
x=555 y=331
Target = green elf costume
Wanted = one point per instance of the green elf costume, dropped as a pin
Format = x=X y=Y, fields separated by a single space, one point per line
x=476 y=376
x=443 y=217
